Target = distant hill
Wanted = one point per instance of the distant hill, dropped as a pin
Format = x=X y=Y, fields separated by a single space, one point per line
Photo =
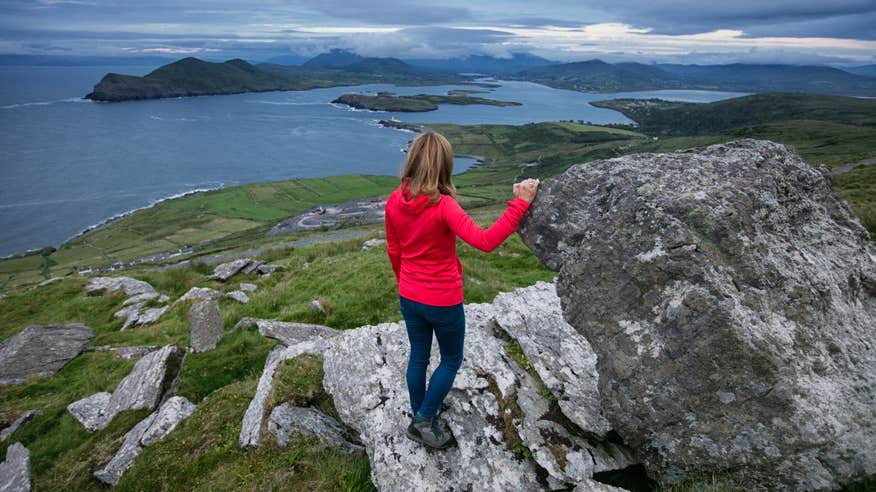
x=599 y=76
x=482 y=64
x=335 y=58
x=381 y=65
x=865 y=70
x=656 y=116
x=190 y=77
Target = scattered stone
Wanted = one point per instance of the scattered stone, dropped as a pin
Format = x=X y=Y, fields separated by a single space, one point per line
x=131 y=286
x=511 y=255
x=248 y=287
x=372 y=243
x=3 y=296
x=562 y=357
x=207 y=325
x=305 y=266
x=140 y=298
x=227 y=270
x=20 y=421
x=316 y=307
x=15 y=470
x=290 y=333
x=171 y=413
x=40 y=351
x=148 y=431
x=238 y=296
x=252 y=267
x=252 y=420
x=144 y=387
x=265 y=269
x=353 y=212
x=287 y=419
x=199 y=293
x=730 y=296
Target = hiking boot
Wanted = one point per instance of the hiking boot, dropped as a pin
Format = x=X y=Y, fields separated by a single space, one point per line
x=430 y=433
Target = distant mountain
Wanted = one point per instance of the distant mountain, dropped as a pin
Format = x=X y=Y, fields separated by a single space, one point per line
x=865 y=70
x=335 y=58
x=287 y=60
x=381 y=65
x=482 y=64
x=190 y=77
x=71 y=61
x=598 y=76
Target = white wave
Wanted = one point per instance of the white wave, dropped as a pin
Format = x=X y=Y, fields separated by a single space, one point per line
x=350 y=108
x=46 y=103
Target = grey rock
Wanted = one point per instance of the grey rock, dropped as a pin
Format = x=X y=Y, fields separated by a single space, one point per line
x=316 y=307
x=372 y=243
x=252 y=267
x=15 y=470
x=726 y=270
x=265 y=269
x=365 y=374
x=291 y=333
x=91 y=410
x=130 y=286
x=199 y=293
x=38 y=351
x=239 y=296
x=207 y=325
x=248 y=287
x=227 y=270
x=287 y=420
x=145 y=296
x=251 y=426
x=562 y=357
x=111 y=473
x=171 y=413
x=144 y=387
x=17 y=423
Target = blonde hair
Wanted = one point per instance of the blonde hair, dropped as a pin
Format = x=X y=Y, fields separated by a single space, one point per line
x=429 y=166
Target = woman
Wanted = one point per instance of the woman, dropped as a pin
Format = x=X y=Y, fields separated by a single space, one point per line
x=423 y=220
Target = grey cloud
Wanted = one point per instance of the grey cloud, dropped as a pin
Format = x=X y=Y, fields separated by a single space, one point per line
x=388 y=12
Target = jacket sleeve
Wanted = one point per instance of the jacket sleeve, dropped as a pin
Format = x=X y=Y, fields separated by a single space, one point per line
x=392 y=245
x=485 y=240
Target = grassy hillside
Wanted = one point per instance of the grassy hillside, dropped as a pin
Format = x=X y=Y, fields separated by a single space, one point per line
x=659 y=117
x=386 y=101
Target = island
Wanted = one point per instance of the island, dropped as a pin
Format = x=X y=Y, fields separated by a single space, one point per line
x=387 y=101
x=194 y=77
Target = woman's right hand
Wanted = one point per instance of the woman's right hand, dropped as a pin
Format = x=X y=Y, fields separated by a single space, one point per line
x=526 y=189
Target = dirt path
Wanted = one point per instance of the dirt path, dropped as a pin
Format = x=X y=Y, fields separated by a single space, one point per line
x=852 y=165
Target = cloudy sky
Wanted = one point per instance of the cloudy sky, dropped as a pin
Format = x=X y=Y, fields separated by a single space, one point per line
x=688 y=31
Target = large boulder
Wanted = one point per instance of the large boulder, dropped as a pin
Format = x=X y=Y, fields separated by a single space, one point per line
x=206 y=325
x=730 y=297
x=40 y=351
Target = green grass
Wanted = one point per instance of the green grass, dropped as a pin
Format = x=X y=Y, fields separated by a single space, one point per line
x=858 y=186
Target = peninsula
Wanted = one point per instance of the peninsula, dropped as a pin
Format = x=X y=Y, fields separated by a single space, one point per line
x=387 y=101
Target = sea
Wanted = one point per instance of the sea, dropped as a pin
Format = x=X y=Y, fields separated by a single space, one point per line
x=67 y=164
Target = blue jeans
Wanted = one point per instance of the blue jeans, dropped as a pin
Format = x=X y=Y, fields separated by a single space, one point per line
x=448 y=324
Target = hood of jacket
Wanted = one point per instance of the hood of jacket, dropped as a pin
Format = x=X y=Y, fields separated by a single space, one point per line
x=407 y=204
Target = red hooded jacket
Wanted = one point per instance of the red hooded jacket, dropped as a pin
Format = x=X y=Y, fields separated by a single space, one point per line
x=421 y=243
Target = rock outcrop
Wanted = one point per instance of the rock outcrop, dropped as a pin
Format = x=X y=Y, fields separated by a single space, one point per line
x=227 y=270
x=730 y=297
x=15 y=470
x=206 y=325
x=495 y=409
x=134 y=309
x=146 y=386
x=152 y=429
x=40 y=351
x=286 y=420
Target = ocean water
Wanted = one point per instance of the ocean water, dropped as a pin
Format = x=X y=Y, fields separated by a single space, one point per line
x=67 y=163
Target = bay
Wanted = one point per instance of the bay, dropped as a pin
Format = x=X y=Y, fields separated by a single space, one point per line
x=67 y=163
